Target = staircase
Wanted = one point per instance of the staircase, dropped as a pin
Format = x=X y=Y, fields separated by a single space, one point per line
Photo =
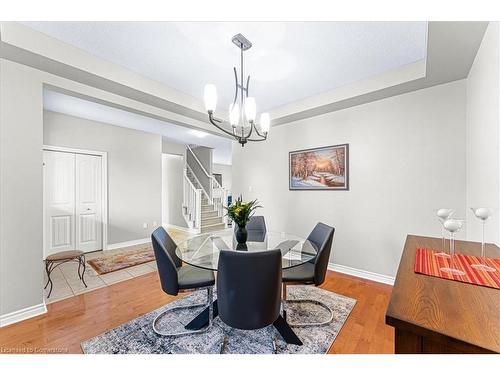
x=210 y=219
x=203 y=202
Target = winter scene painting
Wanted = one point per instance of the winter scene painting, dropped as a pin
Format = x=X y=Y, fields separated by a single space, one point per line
x=325 y=168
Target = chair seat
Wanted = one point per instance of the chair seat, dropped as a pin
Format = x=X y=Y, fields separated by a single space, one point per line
x=193 y=277
x=303 y=273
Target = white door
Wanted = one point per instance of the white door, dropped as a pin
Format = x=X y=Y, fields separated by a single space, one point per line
x=72 y=202
x=88 y=202
x=59 y=201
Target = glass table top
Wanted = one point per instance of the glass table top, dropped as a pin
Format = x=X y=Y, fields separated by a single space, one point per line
x=203 y=250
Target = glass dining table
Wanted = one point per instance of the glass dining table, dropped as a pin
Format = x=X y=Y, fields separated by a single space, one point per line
x=203 y=251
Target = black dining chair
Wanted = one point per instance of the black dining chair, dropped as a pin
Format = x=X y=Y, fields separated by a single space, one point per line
x=176 y=277
x=256 y=229
x=312 y=272
x=256 y=223
x=249 y=288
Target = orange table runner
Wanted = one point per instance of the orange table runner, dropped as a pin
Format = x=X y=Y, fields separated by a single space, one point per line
x=428 y=264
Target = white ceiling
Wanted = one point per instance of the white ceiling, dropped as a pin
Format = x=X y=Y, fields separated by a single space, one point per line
x=288 y=62
x=57 y=102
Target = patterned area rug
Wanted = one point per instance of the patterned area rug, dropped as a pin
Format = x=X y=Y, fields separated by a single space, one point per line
x=122 y=260
x=138 y=337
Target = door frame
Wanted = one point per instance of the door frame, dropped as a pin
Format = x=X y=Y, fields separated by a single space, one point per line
x=104 y=188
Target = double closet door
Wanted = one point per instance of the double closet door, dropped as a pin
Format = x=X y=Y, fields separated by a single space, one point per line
x=72 y=198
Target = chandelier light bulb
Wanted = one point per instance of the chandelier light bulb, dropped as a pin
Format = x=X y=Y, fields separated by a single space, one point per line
x=250 y=109
x=234 y=114
x=265 y=122
x=210 y=97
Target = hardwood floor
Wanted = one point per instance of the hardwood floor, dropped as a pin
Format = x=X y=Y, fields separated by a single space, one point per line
x=73 y=320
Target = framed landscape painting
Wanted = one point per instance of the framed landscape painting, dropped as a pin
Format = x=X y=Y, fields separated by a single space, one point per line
x=325 y=168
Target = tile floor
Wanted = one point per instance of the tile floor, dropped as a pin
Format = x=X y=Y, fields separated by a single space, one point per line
x=66 y=282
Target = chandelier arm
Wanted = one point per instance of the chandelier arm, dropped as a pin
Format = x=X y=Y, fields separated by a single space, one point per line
x=248 y=82
x=250 y=132
x=214 y=121
x=262 y=137
x=236 y=86
x=258 y=133
x=257 y=140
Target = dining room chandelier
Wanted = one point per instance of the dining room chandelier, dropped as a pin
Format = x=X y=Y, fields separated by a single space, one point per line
x=243 y=109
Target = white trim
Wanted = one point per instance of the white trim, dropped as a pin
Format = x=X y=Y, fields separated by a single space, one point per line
x=119 y=245
x=104 y=182
x=187 y=230
x=23 y=314
x=384 y=279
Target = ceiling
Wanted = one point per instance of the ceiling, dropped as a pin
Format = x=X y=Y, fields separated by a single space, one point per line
x=289 y=61
x=70 y=105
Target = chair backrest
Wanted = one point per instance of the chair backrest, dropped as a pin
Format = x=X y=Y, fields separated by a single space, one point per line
x=249 y=288
x=321 y=237
x=164 y=248
x=256 y=223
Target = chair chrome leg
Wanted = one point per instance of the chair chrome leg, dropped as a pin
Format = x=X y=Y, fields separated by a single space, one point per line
x=174 y=334
x=297 y=324
x=223 y=344
x=315 y=324
x=275 y=347
x=210 y=299
x=225 y=340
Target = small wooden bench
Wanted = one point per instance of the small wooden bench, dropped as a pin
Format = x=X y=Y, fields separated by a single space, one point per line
x=56 y=259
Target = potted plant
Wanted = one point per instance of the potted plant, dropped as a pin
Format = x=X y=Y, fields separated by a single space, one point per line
x=240 y=213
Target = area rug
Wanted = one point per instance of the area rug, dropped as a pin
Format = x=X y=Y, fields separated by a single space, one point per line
x=122 y=260
x=138 y=337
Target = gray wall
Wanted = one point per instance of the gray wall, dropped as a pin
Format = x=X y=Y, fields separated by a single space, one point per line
x=134 y=170
x=172 y=194
x=21 y=237
x=227 y=174
x=407 y=157
x=169 y=147
x=483 y=136
x=204 y=155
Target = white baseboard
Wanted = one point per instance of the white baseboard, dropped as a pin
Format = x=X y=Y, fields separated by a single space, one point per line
x=119 y=245
x=187 y=230
x=384 y=279
x=23 y=314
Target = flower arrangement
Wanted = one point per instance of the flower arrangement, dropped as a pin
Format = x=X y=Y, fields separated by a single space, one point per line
x=240 y=212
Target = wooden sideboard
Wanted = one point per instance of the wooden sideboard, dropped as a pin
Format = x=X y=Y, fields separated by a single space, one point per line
x=434 y=315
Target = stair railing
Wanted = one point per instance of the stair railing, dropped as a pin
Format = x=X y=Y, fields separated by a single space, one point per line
x=216 y=194
x=191 y=205
x=199 y=172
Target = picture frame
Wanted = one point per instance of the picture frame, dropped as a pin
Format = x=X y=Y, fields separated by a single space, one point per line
x=319 y=168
